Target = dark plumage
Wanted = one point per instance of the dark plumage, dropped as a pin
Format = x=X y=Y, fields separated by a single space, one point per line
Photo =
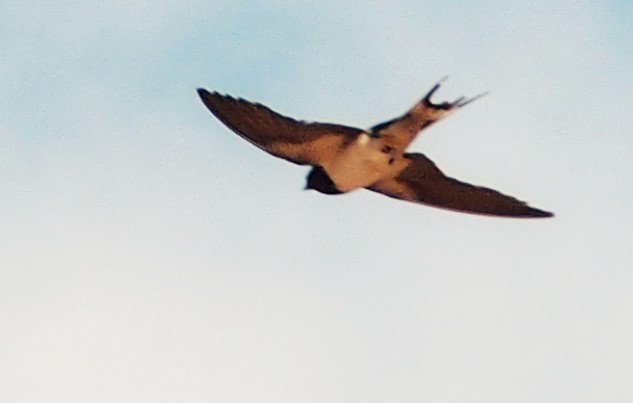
x=346 y=158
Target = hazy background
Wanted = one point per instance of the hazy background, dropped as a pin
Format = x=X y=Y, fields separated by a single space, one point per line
x=148 y=254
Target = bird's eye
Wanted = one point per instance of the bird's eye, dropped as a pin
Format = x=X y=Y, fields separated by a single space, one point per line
x=387 y=149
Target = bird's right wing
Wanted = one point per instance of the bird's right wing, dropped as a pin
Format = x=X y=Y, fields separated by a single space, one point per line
x=419 y=180
x=296 y=141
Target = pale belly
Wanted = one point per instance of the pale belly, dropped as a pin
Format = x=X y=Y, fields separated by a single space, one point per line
x=360 y=165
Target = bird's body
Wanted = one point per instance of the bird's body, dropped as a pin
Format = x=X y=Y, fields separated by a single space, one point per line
x=346 y=158
x=358 y=165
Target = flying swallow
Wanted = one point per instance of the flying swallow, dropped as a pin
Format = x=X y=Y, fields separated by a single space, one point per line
x=345 y=158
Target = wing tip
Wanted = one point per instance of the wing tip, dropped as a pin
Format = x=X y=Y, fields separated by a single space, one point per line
x=532 y=212
x=204 y=93
x=213 y=99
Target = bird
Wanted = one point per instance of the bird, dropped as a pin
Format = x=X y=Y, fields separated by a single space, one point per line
x=345 y=158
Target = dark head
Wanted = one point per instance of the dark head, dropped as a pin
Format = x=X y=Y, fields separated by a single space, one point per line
x=318 y=180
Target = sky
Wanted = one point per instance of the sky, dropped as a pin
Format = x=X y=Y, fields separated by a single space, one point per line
x=148 y=254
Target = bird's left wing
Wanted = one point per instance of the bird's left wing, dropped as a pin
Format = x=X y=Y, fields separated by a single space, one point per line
x=296 y=141
x=419 y=180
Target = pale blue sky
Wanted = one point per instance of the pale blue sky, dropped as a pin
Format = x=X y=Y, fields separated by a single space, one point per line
x=147 y=254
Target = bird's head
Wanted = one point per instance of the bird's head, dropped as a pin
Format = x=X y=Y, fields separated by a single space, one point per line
x=318 y=180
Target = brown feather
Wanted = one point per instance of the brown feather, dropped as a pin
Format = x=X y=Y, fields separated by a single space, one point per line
x=296 y=141
x=421 y=181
